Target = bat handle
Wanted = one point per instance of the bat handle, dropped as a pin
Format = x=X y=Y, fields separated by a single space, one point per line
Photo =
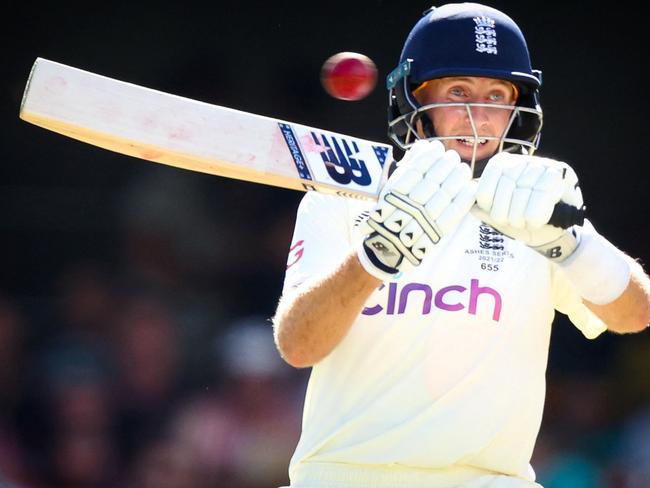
x=565 y=215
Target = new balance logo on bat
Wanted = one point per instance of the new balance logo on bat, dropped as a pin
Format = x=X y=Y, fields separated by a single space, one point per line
x=342 y=161
x=335 y=163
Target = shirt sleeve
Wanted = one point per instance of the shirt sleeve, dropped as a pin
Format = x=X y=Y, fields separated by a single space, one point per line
x=567 y=301
x=321 y=237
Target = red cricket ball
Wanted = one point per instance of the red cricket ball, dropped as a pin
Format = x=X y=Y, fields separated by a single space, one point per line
x=349 y=76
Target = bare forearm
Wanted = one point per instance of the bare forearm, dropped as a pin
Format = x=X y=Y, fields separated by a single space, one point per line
x=313 y=319
x=630 y=312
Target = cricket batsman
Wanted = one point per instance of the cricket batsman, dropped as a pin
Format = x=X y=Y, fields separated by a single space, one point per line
x=426 y=317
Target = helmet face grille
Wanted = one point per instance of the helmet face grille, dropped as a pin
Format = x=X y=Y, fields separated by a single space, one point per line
x=521 y=134
x=523 y=125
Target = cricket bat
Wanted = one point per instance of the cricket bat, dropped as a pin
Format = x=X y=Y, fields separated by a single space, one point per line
x=198 y=136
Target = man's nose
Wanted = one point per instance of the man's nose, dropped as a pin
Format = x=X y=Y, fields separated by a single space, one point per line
x=478 y=114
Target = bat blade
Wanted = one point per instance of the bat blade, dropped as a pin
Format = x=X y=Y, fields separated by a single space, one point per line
x=198 y=136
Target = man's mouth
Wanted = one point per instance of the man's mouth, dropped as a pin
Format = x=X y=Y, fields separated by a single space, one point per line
x=470 y=141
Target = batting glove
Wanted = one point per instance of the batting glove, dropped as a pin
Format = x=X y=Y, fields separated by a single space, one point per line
x=517 y=195
x=423 y=200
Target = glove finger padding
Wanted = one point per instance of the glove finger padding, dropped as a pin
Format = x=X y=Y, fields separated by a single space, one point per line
x=435 y=177
x=414 y=173
x=447 y=207
x=404 y=178
x=538 y=190
x=501 y=171
x=517 y=195
x=458 y=208
x=500 y=207
x=426 y=197
x=453 y=176
x=522 y=191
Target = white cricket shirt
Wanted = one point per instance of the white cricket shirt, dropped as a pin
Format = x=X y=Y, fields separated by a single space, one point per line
x=441 y=379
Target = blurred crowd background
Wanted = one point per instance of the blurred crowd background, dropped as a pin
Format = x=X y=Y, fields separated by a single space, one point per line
x=135 y=343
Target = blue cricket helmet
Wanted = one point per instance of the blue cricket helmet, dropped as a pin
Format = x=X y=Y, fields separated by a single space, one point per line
x=465 y=39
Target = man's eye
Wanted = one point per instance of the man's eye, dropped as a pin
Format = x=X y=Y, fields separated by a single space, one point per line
x=457 y=92
x=497 y=97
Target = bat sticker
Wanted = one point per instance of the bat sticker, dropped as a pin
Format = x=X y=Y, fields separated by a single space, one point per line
x=298 y=158
x=341 y=159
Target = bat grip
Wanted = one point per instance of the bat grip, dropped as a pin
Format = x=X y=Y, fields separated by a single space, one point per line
x=565 y=215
